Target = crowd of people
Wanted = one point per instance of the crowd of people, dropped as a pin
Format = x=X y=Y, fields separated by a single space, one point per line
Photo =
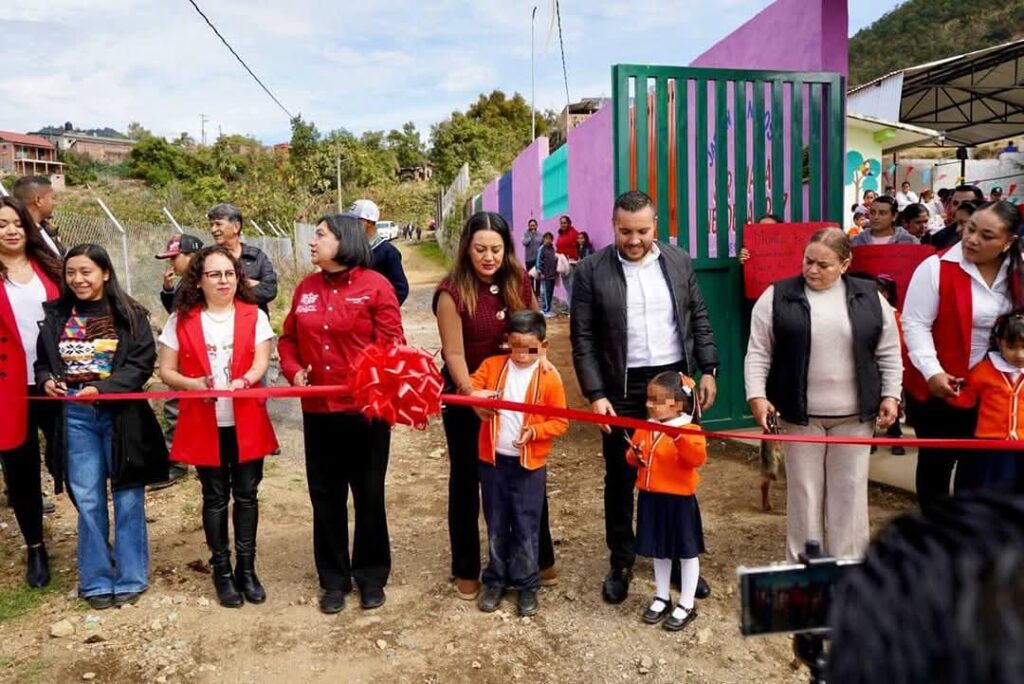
x=642 y=347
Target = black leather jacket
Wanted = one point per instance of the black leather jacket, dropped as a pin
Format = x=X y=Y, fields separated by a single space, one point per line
x=598 y=323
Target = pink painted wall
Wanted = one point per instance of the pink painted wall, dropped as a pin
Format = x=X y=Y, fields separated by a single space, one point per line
x=815 y=39
x=490 y=196
x=591 y=180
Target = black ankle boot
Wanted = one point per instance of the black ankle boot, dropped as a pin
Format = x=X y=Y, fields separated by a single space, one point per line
x=224 y=583
x=246 y=580
x=37 y=573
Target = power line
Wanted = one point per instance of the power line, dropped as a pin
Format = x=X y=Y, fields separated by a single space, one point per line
x=561 y=45
x=240 y=60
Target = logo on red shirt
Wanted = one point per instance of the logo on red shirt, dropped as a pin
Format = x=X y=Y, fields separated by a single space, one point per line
x=307 y=303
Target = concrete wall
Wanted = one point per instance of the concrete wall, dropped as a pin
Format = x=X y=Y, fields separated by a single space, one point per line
x=861 y=149
x=815 y=39
x=591 y=177
x=1006 y=172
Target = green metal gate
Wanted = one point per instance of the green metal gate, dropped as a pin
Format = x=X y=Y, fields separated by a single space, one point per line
x=717 y=149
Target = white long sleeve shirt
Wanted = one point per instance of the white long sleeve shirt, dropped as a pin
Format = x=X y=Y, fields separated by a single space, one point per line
x=652 y=334
x=922 y=306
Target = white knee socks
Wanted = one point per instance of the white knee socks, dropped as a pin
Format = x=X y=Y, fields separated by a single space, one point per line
x=689 y=570
x=662 y=578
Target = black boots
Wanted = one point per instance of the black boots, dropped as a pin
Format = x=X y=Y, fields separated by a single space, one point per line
x=37 y=572
x=246 y=580
x=224 y=583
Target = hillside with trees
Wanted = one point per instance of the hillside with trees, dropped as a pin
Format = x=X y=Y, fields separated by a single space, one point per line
x=921 y=31
x=300 y=180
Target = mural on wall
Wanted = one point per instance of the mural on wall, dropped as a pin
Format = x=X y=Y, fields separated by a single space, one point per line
x=861 y=173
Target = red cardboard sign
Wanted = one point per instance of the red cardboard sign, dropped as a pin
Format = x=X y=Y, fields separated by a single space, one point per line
x=898 y=261
x=776 y=252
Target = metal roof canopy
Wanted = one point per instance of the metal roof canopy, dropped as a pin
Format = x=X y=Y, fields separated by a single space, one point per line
x=894 y=136
x=971 y=99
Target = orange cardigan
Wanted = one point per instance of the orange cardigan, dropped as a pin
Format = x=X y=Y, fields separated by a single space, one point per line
x=1001 y=409
x=667 y=464
x=545 y=389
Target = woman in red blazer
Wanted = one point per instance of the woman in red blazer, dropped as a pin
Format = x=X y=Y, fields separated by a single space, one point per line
x=337 y=313
x=218 y=338
x=30 y=273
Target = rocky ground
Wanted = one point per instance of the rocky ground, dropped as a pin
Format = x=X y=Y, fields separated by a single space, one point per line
x=424 y=633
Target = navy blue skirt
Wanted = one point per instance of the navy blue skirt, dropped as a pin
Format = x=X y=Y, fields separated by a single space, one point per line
x=668 y=526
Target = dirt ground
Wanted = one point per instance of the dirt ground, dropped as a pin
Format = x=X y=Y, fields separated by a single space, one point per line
x=424 y=633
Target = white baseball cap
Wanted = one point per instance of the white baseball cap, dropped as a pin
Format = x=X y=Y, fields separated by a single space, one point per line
x=364 y=209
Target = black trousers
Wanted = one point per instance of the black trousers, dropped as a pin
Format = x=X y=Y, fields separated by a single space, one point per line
x=619 y=476
x=345 y=451
x=239 y=481
x=22 y=475
x=462 y=431
x=935 y=419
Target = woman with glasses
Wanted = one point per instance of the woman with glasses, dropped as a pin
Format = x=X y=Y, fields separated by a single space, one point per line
x=218 y=338
x=95 y=340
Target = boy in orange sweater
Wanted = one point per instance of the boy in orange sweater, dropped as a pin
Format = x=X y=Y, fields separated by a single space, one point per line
x=513 y=449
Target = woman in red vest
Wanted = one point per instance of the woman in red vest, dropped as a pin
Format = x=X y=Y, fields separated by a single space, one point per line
x=218 y=338
x=30 y=273
x=337 y=313
x=952 y=303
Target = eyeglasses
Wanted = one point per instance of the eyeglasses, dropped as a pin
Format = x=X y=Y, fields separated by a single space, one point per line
x=220 y=275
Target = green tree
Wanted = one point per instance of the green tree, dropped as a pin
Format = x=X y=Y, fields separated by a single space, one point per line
x=407 y=145
x=136 y=131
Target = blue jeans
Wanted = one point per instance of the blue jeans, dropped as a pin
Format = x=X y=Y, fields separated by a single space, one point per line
x=103 y=570
x=513 y=499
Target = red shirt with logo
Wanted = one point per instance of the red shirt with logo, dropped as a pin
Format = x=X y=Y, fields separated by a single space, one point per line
x=334 y=316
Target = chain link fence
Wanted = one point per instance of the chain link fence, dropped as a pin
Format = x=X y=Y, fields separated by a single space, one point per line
x=134 y=254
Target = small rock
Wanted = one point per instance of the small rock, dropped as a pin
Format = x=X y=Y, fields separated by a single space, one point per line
x=203 y=602
x=95 y=639
x=703 y=635
x=381 y=644
x=645 y=664
x=476 y=665
x=89 y=676
x=172 y=617
x=450 y=647
x=527 y=620
x=570 y=596
x=156 y=625
x=62 y=629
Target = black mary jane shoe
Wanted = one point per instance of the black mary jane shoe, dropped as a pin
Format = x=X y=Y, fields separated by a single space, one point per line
x=100 y=601
x=371 y=597
x=673 y=624
x=653 y=617
x=333 y=601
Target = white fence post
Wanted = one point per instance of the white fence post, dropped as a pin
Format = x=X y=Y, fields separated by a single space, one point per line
x=3 y=190
x=168 y=213
x=257 y=227
x=124 y=245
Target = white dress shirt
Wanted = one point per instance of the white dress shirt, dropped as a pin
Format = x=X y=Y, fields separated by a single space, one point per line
x=652 y=334
x=904 y=199
x=922 y=306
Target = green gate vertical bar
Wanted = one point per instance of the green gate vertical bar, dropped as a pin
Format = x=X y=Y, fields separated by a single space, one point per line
x=700 y=163
x=740 y=169
x=778 y=152
x=620 y=96
x=683 y=163
x=836 y=135
x=661 y=109
x=814 y=153
x=640 y=105
x=722 y=167
x=760 y=142
x=796 y=139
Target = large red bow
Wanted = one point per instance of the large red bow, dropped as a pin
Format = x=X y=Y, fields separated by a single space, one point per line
x=396 y=384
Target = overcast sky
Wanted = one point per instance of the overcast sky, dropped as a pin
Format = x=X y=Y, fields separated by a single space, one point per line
x=363 y=65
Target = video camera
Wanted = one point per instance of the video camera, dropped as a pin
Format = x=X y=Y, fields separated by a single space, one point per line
x=794 y=599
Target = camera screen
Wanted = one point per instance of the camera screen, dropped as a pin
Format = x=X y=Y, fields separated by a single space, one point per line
x=788 y=598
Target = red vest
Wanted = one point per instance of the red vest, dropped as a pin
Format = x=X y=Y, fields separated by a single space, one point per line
x=195 y=438
x=951 y=332
x=13 y=371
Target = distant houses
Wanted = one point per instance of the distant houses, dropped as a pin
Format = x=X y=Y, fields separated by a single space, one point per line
x=25 y=154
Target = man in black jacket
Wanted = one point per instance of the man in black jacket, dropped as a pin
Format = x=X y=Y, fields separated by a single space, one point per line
x=226 y=228
x=636 y=311
x=387 y=260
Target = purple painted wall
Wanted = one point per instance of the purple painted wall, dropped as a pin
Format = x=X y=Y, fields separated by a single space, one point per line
x=490 y=195
x=815 y=39
x=591 y=180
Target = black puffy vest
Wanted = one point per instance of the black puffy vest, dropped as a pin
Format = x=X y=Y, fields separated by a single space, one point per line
x=791 y=323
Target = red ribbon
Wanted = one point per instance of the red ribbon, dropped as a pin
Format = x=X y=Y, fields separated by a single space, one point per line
x=401 y=385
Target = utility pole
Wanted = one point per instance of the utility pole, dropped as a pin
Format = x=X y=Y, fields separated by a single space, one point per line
x=533 y=78
x=202 y=128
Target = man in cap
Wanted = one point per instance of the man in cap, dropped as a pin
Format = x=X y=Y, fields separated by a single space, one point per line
x=995 y=194
x=387 y=260
x=178 y=254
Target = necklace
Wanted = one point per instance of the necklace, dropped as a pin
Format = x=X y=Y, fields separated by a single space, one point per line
x=223 y=318
x=494 y=289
